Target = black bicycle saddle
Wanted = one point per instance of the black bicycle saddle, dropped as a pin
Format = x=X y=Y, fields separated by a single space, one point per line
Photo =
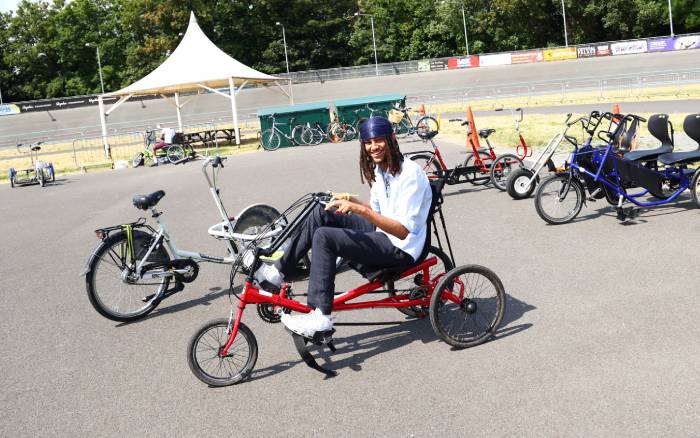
x=144 y=202
x=484 y=133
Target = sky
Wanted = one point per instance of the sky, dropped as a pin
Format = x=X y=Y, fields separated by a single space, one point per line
x=8 y=5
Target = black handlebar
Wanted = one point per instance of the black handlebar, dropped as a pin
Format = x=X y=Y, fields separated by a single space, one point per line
x=218 y=162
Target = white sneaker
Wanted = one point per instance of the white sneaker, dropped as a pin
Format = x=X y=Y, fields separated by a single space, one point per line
x=308 y=324
x=269 y=274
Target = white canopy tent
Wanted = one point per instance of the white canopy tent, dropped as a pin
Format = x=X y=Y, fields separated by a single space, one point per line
x=182 y=72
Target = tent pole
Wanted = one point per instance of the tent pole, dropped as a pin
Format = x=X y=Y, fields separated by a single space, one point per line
x=291 y=93
x=234 y=110
x=179 y=116
x=103 y=122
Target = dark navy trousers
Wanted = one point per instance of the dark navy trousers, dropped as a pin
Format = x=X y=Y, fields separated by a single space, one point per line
x=331 y=235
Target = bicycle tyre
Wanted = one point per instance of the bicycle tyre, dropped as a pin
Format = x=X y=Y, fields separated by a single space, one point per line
x=336 y=132
x=501 y=168
x=317 y=137
x=474 y=303
x=350 y=133
x=209 y=340
x=559 y=183
x=175 y=153
x=429 y=163
x=517 y=183
x=297 y=135
x=270 y=140
x=40 y=177
x=402 y=129
x=444 y=265
x=426 y=125
x=95 y=292
x=487 y=160
x=695 y=188
x=137 y=160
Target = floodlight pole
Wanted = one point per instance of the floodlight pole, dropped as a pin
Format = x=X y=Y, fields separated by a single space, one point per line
x=670 y=17
x=563 y=13
x=286 y=60
x=374 y=40
x=464 y=22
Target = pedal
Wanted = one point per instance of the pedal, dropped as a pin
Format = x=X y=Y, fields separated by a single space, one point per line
x=591 y=197
x=321 y=338
x=628 y=215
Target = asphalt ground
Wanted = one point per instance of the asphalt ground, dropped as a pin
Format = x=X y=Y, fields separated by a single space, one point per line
x=135 y=116
x=600 y=335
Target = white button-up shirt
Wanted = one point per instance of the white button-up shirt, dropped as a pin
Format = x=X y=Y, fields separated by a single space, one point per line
x=406 y=198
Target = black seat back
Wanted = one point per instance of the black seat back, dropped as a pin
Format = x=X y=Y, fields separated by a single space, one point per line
x=660 y=128
x=436 y=186
x=691 y=126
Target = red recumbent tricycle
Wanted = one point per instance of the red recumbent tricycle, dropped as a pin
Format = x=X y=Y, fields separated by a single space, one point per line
x=465 y=304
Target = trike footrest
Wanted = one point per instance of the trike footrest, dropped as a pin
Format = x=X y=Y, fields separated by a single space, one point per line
x=319 y=338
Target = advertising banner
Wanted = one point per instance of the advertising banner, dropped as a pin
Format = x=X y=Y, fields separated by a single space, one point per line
x=603 y=50
x=62 y=103
x=438 y=64
x=424 y=65
x=6 y=110
x=526 y=57
x=559 y=54
x=463 y=62
x=585 y=51
x=660 y=44
x=497 y=59
x=687 y=42
x=629 y=47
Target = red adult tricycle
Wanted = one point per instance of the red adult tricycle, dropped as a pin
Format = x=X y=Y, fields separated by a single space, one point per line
x=465 y=304
x=481 y=164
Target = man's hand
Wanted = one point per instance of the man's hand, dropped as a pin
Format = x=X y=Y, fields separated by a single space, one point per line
x=344 y=206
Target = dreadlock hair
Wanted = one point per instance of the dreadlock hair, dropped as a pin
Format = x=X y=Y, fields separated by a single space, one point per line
x=393 y=157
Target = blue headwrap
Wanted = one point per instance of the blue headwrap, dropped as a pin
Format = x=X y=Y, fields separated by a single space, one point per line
x=375 y=127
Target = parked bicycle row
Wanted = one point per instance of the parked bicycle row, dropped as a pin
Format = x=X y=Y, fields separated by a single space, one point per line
x=314 y=133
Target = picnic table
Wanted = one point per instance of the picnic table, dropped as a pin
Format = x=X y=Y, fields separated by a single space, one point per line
x=209 y=137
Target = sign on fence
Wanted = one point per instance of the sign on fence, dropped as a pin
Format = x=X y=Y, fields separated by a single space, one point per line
x=687 y=42
x=463 y=62
x=424 y=65
x=559 y=54
x=629 y=47
x=497 y=59
x=585 y=51
x=8 y=109
x=526 y=57
x=438 y=64
x=660 y=44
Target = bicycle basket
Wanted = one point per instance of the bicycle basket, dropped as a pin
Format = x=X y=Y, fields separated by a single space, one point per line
x=395 y=116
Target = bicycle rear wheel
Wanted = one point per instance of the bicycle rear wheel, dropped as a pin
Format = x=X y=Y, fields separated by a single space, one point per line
x=209 y=366
x=112 y=287
x=297 y=134
x=270 y=140
x=467 y=306
x=175 y=153
x=481 y=176
x=336 y=132
x=426 y=125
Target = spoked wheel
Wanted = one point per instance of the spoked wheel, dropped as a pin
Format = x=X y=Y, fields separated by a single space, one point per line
x=402 y=129
x=695 y=188
x=270 y=140
x=112 y=287
x=208 y=364
x=518 y=184
x=467 y=306
x=502 y=167
x=416 y=286
x=297 y=134
x=429 y=163
x=479 y=177
x=350 y=133
x=137 y=160
x=558 y=200
x=426 y=125
x=336 y=132
x=175 y=153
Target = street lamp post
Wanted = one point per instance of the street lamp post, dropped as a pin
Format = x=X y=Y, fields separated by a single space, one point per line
x=286 y=60
x=464 y=22
x=374 y=41
x=670 y=17
x=563 y=13
x=99 y=65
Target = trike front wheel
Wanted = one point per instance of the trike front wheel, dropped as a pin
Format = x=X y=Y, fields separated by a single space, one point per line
x=208 y=364
x=429 y=163
x=467 y=306
x=520 y=183
x=137 y=160
x=481 y=176
x=502 y=167
x=559 y=199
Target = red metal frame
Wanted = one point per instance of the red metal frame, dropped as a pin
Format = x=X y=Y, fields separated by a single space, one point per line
x=253 y=295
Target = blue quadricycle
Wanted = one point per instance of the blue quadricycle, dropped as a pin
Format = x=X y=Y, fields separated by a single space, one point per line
x=613 y=171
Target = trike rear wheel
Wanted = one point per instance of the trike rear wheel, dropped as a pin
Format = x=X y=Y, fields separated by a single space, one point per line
x=206 y=362
x=175 y=153
x=429 y=163
x=518 y=184
x=695 y=188
x=481 y=176
x=502 y=167
x=112 y=289
x=467 y=306
x=416 y=285
x=558 y=199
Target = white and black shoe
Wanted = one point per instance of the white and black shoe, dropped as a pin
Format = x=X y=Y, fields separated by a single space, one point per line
x=308 y=324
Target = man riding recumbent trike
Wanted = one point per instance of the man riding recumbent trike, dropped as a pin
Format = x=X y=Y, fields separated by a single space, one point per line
x=40 y=172
x=611 y=171
x=387 y=240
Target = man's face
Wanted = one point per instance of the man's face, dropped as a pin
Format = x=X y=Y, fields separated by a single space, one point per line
x=376 y=149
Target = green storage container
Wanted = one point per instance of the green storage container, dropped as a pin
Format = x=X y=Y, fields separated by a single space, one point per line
x=298 y=115
x=349 y=110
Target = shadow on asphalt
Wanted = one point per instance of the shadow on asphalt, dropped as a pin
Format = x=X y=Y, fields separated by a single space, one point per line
x=641 y=214
x=394 y=335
